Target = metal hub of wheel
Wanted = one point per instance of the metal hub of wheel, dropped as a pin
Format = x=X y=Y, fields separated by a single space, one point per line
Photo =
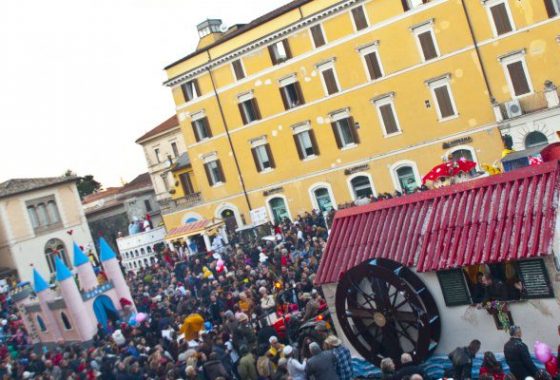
x=385 y=310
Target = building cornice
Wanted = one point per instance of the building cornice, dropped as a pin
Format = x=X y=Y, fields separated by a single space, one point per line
x=170 y=131
x=278 y=35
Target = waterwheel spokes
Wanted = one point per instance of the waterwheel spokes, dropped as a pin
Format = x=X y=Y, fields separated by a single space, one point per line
x=406 y=316
x=358 y=312
x=383 y=313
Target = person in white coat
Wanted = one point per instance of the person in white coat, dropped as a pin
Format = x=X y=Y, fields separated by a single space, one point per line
x=295 y=369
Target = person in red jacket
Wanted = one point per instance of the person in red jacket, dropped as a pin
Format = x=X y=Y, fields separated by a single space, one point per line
x=491 y=366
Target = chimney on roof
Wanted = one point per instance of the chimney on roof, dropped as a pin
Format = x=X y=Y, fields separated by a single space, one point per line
x=209 y=31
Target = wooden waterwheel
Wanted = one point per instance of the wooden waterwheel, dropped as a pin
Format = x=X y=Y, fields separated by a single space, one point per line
x=385 y=310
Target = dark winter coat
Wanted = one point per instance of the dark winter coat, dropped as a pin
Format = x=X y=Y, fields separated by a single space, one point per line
x=214 y=369
x=518 y=359
x=462 y=361
x=322 y=366
x=408 y=370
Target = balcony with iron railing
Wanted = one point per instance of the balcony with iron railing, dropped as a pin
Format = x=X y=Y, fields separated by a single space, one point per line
x=535 y=102
x=181 y=204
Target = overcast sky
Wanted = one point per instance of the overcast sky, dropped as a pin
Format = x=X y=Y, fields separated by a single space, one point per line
x=81 y=80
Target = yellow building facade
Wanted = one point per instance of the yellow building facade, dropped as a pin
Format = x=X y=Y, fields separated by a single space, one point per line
x=322 y=102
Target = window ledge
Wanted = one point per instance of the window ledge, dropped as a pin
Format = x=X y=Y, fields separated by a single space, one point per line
x=333 y=94
x=294 y=107
x=393 y=134
x=218 y=184
x=448 y=118
x=252 y=122
x=267 y=170
x=349 y=146
x=310 y=158
x=516 y=97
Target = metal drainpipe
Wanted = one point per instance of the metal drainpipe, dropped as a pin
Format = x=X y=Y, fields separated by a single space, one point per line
x=478 y=55
x=228 y=135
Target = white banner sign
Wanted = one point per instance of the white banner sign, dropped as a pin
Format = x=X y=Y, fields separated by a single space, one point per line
x=259 y=216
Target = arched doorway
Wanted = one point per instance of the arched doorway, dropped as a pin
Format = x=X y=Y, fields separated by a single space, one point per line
x=406 y=179
x=462 y=153
x=323 y=199
x=278 y=209
x=56 y=248
x=228 y=216
x=105 y=310
x=361 y=187
x=534 y=139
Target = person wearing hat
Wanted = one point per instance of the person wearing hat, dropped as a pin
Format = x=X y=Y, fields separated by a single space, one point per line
x=276 y=348
x=321 y=365
x=281 y=370
x=312 y=305
x=296 y=370
x=244 y=334
x=343 y=357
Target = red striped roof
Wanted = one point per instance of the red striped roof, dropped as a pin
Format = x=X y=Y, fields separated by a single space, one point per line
x=499 y=218
x=188 y=228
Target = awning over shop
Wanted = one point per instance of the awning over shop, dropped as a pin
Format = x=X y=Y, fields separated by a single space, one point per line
x=194 y=228
x=493 y=219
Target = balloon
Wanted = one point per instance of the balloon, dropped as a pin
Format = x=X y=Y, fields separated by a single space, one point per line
x=552 y=367
x=132 y=320
x=141 y=317
x=220 y=263
x=542 y=352
x=208 y=326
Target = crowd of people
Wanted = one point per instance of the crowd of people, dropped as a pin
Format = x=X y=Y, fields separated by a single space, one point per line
x=254 y=299
x=239 y=294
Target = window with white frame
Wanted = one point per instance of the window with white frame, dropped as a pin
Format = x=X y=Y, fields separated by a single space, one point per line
x=411 y=4
x=43 y=213
x=443 y=97
x=323 y=199
x=500 y=16
x=175 y=149
x=371 y=60
x=388 y=120
x=462 y=154
x=517 y=75
x=201 y=127
x=328 y=77
x=535 y=138
x=279 y=52
x=248 y=108
x=426 y=40
x=552 y=7
x=214 y=172
x=291 y=93
x=359 y=17
x=361 y=187
x=344 y=129
x=317 y=35
x=156 y=154
x=262 y=155
x=190 y=90
x=406 y=179
x=306 y=143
